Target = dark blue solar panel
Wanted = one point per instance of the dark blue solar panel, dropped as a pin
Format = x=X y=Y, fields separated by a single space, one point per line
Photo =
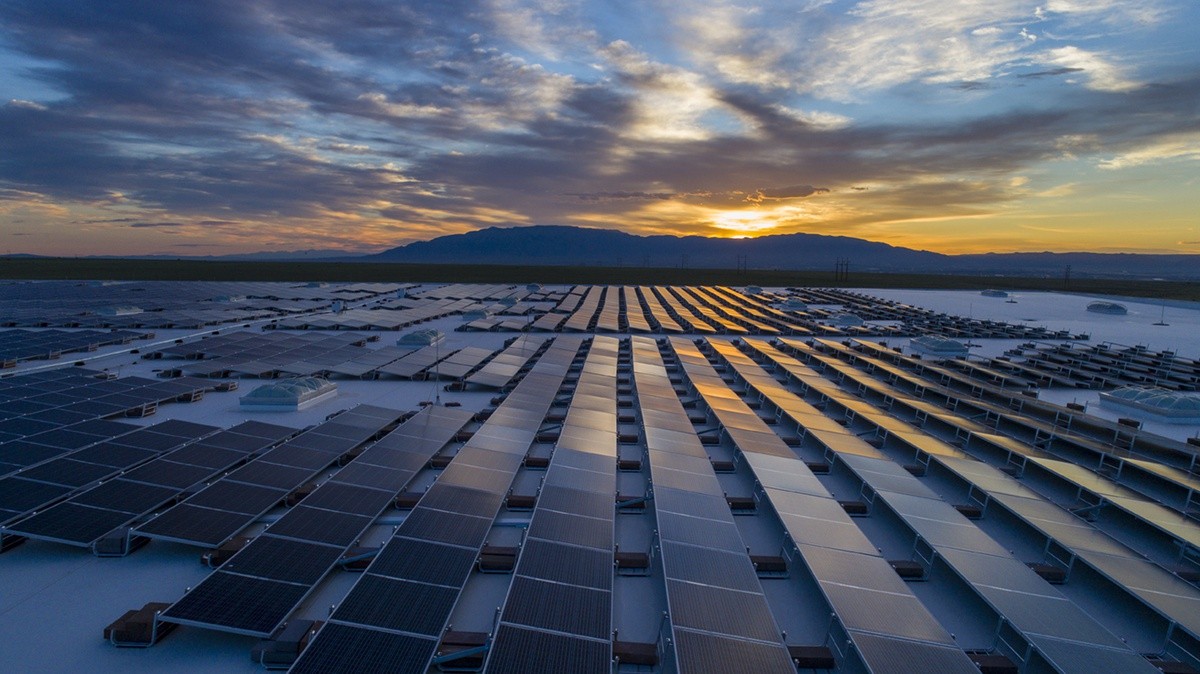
x=252 y=605
x=282 y=559
x=397 y=605
x=343 y=648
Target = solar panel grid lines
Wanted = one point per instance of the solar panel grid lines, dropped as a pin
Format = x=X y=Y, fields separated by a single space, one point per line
x=747 y=317
x=21 y=497
x=1128 y=570
x=635 y=313
x=660 y=318
x=943 y=528
x=681 y=312
x=307 y=541
x=23 y=345
x=463 y=362
x=520 y=414
x=855 y=609
x=609 y=317
x=696 y=621
x=702 y=306
x=242 y=497
x=542 y=596
x=1169 y=521
x=501 y=369
x=1114 y=491
x=582 y=316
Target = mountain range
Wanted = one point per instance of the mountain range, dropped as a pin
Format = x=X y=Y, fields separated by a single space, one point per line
x=553 y=245
x=577 y=246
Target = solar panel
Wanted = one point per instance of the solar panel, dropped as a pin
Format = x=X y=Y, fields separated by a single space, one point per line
x=191 y=524
x=287 y=560
x=705 y=652
x=349 y=498
x=558 y=607
x=125 y=496
x=595 y=533
x=586 y=503
x=709 y=567
x=207 y=455
x=71 y=523
x=321 y=526
x=399 y=605
x=346 y=648
x=445 y=527
x=562 y=563
x=67 y=472
x=243 y=604
x=237 y=497
x=20 y=495
x=266 y=474
x=519 y=651
x=463 y=500
x=368 y=475
x=425 y=561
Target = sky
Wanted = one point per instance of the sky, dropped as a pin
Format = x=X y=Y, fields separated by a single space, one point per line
x=212 y=127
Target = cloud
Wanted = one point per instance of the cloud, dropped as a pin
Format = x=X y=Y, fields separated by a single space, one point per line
x=28 y=105
x=784 y=193
x=266 y=121
x=1100 y=73
x=1175 y=147
x=620 y=196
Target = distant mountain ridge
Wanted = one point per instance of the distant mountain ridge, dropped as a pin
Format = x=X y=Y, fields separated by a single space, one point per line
x=556 y=245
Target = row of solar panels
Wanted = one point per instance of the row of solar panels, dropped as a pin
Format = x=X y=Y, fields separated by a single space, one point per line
x=46 y=414
x=395 y=618
x=377 y=318
x=1129 y=570
x=262 y=584
x=1065 y=634
x=141 y=486
x=1180 y=529
x=20 y=345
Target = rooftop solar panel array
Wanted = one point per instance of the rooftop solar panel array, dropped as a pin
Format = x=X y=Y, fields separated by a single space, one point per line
x=88 y=516
x=286 y=562
x=865 y=595
x=167 y=304
x=1038 y=612
x=1173 y=524
x=1073 y=548
x=583 y=317
x=223 y=508
x=32 y=404
x=717 y=608
x=561 y=594
x=1172 y=597
x=407 y=593
x=501 y=370
x=266 y=354
x=416 y=363
x=462 y=363
x=53 y=480
x=376 y=318
x=20 y=345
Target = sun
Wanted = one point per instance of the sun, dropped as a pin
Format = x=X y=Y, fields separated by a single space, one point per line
x=744 y=224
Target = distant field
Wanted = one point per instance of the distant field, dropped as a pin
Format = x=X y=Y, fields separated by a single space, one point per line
x=192 y=270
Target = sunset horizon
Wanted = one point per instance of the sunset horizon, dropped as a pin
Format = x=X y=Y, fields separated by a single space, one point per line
x=218 y=129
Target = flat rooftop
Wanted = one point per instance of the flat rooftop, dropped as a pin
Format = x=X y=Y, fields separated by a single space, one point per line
x=671 y=476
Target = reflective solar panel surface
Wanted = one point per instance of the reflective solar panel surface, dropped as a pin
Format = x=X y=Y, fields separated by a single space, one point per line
x=589 y=478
